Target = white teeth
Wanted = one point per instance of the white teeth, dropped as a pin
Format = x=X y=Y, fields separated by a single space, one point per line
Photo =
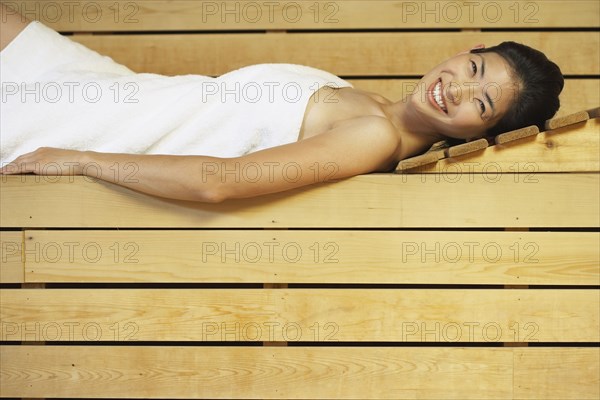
x=437 y=95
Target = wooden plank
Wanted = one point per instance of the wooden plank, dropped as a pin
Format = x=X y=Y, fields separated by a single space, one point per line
x=374 y=200
x=566 y=120
x=302 y=315
x=420 y=160
x=577 y=94
x=341 y=53
x=12 y=261
x=550 y=373
x=466 y=148
x=322 y=256
x=123 y=15
x=282 y=373
x=271 y=372
x=516 y=134
x=594 y=112
x=571 y=148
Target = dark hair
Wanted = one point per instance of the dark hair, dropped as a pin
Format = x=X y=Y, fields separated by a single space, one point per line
x=540 y=82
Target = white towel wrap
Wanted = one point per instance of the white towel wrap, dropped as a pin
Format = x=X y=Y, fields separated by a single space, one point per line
x=58 y=93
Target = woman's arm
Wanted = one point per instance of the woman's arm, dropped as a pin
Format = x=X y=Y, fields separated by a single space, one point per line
x=354 y=147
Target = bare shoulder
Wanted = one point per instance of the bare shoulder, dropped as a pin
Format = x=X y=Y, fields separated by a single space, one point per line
x=354 y=146
x=374 y=127
x=11 y=24
x=373 y=121
x=373 y=139
x=372 y=95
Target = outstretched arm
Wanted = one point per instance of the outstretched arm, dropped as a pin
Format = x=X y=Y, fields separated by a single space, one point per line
x=357 y=146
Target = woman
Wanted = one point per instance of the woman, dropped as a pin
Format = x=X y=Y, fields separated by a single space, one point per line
x=473 y=94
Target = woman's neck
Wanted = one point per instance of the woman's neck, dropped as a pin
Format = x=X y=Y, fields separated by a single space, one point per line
x=414 y=133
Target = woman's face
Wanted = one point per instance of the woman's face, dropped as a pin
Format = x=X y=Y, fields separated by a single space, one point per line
x=465 y=95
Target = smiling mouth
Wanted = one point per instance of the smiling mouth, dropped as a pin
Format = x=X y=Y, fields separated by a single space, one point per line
x=435 y=96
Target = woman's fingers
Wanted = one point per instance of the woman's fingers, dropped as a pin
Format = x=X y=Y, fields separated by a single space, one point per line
x=20 y=165
x=45 y=161
x=25 y=163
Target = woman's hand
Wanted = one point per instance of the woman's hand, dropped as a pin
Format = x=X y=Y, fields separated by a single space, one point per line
x=46 y=161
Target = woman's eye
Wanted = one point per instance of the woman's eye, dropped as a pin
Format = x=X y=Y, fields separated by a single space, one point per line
x=473 y=68
x=481 y=106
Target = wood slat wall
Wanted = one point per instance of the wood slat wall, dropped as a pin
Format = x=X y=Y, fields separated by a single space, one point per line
x=369 y=201
x=149 y=316
x=304 y=315
x=323 y=256
x=184 y=15
x=469 y=277
x=302 y=372
x=342 y=53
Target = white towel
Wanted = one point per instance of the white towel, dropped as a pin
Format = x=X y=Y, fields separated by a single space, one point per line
x=58 y=93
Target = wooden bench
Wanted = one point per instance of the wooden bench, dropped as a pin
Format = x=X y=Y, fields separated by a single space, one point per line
x=471 y=272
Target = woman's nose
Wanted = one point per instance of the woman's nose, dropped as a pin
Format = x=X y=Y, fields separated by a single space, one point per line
x=453 y=93
x=460 y=91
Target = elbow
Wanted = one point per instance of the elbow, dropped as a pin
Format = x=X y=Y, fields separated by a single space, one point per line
x=215 y=194
x=214 y=198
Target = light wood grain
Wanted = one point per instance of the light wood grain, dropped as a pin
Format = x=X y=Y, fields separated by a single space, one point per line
x=572 y=148
x=466 y=148
x=429 y=157
x=566 y=120
x=283 y=372
x=552 y=373
x=321 y=256
x=12 y=260
x=594 y=112
x=375 y=200
x=345 y=54
x=347 y=14
x=516 y=134
x=307 y=315
x=275 y=315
